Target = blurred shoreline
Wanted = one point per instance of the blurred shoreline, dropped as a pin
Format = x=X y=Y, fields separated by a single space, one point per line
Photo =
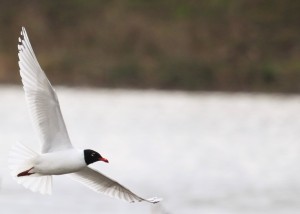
x=234 y=45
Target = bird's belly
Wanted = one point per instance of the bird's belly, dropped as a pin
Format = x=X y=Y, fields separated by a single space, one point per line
x=56 y=169
x=47 y=165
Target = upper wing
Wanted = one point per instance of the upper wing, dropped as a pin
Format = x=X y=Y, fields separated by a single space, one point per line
x=100 y=183
x=42 y=100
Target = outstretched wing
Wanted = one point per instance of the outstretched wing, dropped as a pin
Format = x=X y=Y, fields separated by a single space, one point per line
x=102 y=184
x=42 y=100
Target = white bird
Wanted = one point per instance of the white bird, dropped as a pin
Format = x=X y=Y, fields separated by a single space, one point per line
x=58 y=156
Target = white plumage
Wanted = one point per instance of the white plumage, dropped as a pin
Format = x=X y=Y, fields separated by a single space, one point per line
x=42 y=100
x=34 y=171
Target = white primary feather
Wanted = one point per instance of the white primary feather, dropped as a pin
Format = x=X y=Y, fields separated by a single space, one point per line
x=42 y=100
x=103 y=184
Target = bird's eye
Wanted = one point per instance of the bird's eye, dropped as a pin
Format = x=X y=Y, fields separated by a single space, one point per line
x=93 y=154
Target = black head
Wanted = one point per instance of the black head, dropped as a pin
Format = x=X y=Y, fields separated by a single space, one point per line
x=91 y=156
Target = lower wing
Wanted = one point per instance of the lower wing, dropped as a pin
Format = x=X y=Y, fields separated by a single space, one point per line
x=102 y=184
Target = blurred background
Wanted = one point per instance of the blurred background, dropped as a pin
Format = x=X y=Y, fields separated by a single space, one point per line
x=193 y=101
x=229 y=45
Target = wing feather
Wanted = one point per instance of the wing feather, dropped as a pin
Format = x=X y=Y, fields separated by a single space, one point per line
x=42 y=100
x=100 y=183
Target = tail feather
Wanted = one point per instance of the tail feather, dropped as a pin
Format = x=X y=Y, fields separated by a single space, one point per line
x=20 y=160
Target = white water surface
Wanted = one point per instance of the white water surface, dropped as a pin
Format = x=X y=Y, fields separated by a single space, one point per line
x=211 y=153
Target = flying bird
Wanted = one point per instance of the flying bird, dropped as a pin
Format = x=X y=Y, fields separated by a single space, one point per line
x=58 y=156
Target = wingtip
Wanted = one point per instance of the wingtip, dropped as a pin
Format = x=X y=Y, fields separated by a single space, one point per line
x=23 y=31
x=154 y=200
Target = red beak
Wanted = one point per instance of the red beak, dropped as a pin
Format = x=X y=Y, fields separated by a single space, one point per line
x=103 y=159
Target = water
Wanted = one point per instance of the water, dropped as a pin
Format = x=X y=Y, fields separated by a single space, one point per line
x=209 y=153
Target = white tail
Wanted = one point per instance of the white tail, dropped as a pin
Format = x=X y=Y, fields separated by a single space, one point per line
x=21 y=159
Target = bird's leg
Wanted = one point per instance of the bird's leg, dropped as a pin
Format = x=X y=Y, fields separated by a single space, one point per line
x=25 y=173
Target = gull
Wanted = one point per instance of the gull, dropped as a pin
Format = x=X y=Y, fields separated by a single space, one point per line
x=58 y=156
